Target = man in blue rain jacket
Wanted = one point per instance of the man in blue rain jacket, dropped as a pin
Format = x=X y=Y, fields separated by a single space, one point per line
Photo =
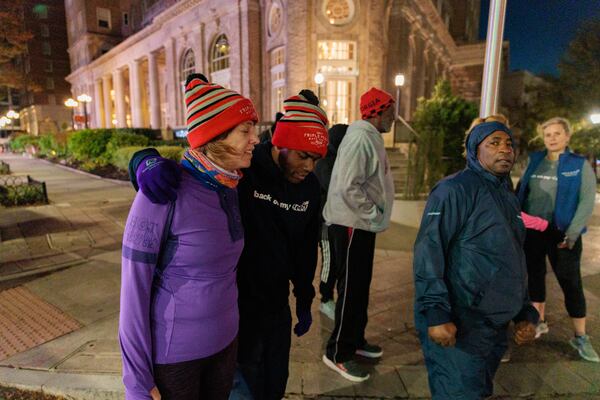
x=469 y=269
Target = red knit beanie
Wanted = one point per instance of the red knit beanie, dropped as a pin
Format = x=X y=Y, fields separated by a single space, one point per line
x=374 y=101
x=303 y=127
x=213 y=110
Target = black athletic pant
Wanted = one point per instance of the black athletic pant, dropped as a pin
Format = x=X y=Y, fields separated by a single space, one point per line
x=264 y=353
x=566 y=265
x=204 y=378
x=354 y=250
x=328 y=271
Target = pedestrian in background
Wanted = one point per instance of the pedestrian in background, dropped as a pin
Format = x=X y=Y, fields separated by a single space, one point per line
x=359 y=204
x=328 y=266
x=560 y=187
x=469 y=269
x=179 y=318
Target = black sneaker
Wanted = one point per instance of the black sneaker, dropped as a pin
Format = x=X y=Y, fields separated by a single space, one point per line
x=370 y=351
x=349 y=370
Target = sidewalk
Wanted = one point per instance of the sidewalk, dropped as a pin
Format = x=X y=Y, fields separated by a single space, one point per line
x=65 y=257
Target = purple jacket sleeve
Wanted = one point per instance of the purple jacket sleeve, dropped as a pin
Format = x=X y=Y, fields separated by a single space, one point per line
x=141 y=243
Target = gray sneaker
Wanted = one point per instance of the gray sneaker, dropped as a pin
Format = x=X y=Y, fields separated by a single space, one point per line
x=328 y=308
x=541 y=329
x=349 y=369
x=584 y=347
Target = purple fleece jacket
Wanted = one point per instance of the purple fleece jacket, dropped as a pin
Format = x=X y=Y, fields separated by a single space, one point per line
x=191 y=312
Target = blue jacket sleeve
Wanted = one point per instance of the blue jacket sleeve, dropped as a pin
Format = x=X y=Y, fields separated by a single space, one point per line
x=141 y=245
x=442 y=220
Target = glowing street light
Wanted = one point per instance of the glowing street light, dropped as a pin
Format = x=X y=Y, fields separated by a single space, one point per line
x=319 y=79
x=84 y=98
x=595 y=118
x=12 y=114
x=398 y=82
x=72 y=104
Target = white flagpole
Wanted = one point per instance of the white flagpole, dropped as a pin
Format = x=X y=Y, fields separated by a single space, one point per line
x=493 y=58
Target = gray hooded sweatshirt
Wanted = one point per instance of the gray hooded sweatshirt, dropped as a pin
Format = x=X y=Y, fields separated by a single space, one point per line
x=361 y=191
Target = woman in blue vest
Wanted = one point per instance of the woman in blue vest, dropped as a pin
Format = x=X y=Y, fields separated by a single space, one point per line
x=560 y=187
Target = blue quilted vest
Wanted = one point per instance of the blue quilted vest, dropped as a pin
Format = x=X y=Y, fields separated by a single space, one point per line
x=570 y=169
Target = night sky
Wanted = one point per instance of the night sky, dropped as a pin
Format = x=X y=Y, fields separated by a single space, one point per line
x=539 y=31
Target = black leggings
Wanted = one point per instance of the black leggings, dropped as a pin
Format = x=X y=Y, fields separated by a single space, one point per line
x=566 y=265
x=204 y=378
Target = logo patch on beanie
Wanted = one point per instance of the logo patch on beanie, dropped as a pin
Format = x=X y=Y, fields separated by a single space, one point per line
x=370 y=104
x=315 y=139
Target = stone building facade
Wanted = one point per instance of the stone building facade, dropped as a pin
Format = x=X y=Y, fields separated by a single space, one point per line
x=132 y=56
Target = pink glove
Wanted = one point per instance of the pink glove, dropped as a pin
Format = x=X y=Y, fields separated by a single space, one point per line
x=535 y=223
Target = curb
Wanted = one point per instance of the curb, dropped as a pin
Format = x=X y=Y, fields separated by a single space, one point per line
x=42 y=270
x=78 y=171
x=70 y=386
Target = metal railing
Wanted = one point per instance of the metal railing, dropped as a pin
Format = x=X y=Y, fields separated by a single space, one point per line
x=22 y=190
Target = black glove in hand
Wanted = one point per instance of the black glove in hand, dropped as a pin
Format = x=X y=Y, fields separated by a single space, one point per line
x=304 y=321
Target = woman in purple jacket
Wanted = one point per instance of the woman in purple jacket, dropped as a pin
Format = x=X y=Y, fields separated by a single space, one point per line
x=179 y=315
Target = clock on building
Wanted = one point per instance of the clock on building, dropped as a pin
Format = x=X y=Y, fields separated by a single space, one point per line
x=338 y=12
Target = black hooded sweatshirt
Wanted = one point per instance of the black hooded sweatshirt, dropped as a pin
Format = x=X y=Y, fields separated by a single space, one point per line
x=281 y=223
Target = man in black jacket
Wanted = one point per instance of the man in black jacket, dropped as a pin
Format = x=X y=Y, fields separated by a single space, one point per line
x=280 y=206
x=469 y=269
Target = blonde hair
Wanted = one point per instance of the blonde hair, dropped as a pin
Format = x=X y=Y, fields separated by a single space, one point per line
x=552 y=121
x=478 y=121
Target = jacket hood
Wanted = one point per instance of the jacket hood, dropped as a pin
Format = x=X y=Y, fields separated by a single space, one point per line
x=336 y=134
x=478 y=135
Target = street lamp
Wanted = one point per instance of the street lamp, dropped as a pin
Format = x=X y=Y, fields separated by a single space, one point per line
x=319 y=79
x=398 y=82
x=12 y=114
x=84 y=98
x=72 y=104
x=595 y=118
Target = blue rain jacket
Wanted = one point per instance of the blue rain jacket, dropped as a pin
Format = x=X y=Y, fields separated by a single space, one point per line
x=469 y=263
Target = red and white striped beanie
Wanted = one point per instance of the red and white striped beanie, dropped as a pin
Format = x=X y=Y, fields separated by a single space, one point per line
x=303 y=127
x=213 y=110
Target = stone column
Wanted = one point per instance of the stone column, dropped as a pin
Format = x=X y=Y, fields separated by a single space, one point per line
x=154 y=93
x=98 y=104
x=107 y=102
x=172 y=84
x=120 y=99
x=135 y=95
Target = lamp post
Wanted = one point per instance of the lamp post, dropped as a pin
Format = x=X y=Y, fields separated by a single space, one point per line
x=72 y=104
x=319 y=79
x=84 y=98
x=398 y=82
x=595 y=118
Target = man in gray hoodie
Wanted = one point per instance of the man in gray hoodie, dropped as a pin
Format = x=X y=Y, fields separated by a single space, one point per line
x=359 y=204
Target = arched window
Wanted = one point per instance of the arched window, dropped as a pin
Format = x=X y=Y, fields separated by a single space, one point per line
x=219 y=54
x=188 y=65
